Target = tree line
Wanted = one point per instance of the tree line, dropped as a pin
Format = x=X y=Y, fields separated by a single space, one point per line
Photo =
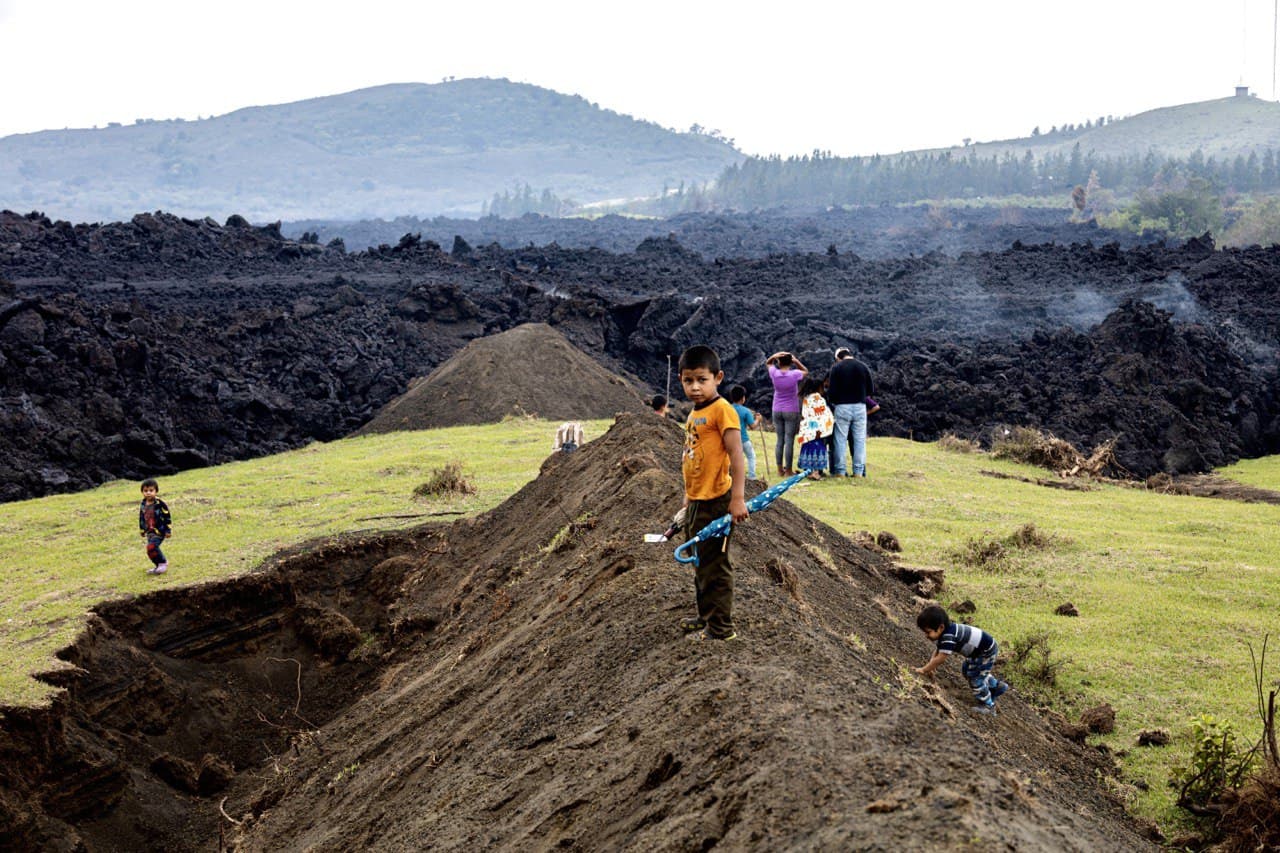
x=824 y=180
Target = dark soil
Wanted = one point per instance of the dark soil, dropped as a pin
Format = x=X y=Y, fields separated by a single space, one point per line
x=528 y=371
x=507 y=694
x=141 y=348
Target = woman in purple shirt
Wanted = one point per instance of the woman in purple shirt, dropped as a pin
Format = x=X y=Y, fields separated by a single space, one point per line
x=786 y=373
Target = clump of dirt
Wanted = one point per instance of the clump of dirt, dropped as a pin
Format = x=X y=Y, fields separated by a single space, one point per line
x=1210 y=486
x=521 y=696
x=531 y=370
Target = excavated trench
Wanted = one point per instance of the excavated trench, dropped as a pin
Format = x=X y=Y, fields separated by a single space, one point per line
x=175 y=699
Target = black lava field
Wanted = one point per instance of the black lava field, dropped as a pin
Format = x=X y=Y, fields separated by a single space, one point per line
x=149 y=346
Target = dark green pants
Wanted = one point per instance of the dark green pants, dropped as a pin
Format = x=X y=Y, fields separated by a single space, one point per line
x=713 y=578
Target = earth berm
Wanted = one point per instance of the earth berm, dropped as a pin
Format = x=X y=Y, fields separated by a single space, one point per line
x=518 y=681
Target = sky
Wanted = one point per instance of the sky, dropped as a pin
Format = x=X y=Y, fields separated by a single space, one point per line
x=847 y=77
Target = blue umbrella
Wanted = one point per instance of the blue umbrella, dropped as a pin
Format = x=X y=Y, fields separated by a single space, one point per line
x=720 y=527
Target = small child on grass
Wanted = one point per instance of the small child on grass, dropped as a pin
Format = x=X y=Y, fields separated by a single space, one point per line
x=978 y=648
x=154 y=525
x=816 y=423
x=714 y=484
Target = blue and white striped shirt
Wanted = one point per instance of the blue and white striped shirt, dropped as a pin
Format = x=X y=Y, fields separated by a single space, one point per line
x=967 y=640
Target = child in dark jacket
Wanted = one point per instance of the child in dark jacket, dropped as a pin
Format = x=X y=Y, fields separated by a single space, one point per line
x=154 y=525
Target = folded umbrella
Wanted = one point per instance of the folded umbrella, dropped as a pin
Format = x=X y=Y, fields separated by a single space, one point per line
x=688 y=552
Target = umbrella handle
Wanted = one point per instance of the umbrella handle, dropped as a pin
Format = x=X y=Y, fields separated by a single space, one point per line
x=693 y=552
x=688 y=552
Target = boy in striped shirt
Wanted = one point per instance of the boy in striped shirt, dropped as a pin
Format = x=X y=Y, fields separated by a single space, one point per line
x=978 y=648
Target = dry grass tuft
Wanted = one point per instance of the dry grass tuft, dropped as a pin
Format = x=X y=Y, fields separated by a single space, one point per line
x=446 y=481
x=956 y=444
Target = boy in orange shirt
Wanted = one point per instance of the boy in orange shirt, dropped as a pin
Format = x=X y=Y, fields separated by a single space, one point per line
x=714 y=484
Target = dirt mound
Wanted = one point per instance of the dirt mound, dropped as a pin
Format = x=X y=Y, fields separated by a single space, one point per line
x=529 y=370
x=521 y=683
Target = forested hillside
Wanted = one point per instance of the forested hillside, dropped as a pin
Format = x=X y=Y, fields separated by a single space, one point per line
x=1232 y=144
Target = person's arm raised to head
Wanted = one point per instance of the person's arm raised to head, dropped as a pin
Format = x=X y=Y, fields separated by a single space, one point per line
x=777 y=355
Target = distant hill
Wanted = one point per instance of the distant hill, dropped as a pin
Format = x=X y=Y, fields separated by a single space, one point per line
x=411 y=148
x=1230 y=143
x=1221 y=128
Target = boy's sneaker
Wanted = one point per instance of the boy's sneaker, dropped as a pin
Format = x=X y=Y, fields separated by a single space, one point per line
x=703 y=635
x=692 y=624
x=984 y=710
x=162 y=568
x=153 y=570
x=999 y=690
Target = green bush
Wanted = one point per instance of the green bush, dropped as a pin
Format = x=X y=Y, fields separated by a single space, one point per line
x=1218 y=764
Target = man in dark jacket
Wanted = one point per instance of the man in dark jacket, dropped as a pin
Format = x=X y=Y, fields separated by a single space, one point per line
x=847 y=392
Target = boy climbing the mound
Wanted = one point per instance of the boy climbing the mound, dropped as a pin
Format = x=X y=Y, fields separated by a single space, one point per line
x=978 y=648
x=154 y=524
x=714 y=484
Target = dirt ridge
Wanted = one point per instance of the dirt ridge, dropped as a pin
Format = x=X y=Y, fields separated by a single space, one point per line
x=528 y=687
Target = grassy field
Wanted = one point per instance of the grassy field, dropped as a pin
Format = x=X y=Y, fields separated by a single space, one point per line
x=62 y=554
x=1170 y=589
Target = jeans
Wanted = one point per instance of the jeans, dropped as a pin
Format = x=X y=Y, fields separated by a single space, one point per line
x=786 y=425
x=749 y=453
x=978 y=672
x=153 y=549
x=851 y=418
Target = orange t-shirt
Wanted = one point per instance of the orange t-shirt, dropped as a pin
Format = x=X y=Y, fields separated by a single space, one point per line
x=706 y=460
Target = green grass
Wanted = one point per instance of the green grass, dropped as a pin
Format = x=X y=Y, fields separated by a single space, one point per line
x=62 y=554
x=1170 y=588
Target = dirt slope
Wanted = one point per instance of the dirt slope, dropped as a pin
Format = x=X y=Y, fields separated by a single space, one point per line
x=556 y=705
x=529 y=370
x=518 y=681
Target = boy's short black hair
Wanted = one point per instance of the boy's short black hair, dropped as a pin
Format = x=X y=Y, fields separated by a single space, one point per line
x=657 y=402
x=737 y=394
x=699 y=356
x=149 y=482
x=932 y=617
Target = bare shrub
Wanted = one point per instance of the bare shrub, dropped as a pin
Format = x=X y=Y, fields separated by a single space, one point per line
x=1045 y=450
x=1032 y=659
x=989 y=552
x=956 y=444
x=1033 y=447
x=982 y=553
x=1027 y=537
x=446 y=481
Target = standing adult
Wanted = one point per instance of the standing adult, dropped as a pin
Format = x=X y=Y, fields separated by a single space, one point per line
x=786 y=373
x=849 y=386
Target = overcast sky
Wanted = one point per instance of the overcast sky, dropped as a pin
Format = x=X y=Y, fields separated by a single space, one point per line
x=848 y=77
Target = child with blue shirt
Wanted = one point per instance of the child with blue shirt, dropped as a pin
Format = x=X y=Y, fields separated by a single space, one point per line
x=978 y=648
x=738 y=397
